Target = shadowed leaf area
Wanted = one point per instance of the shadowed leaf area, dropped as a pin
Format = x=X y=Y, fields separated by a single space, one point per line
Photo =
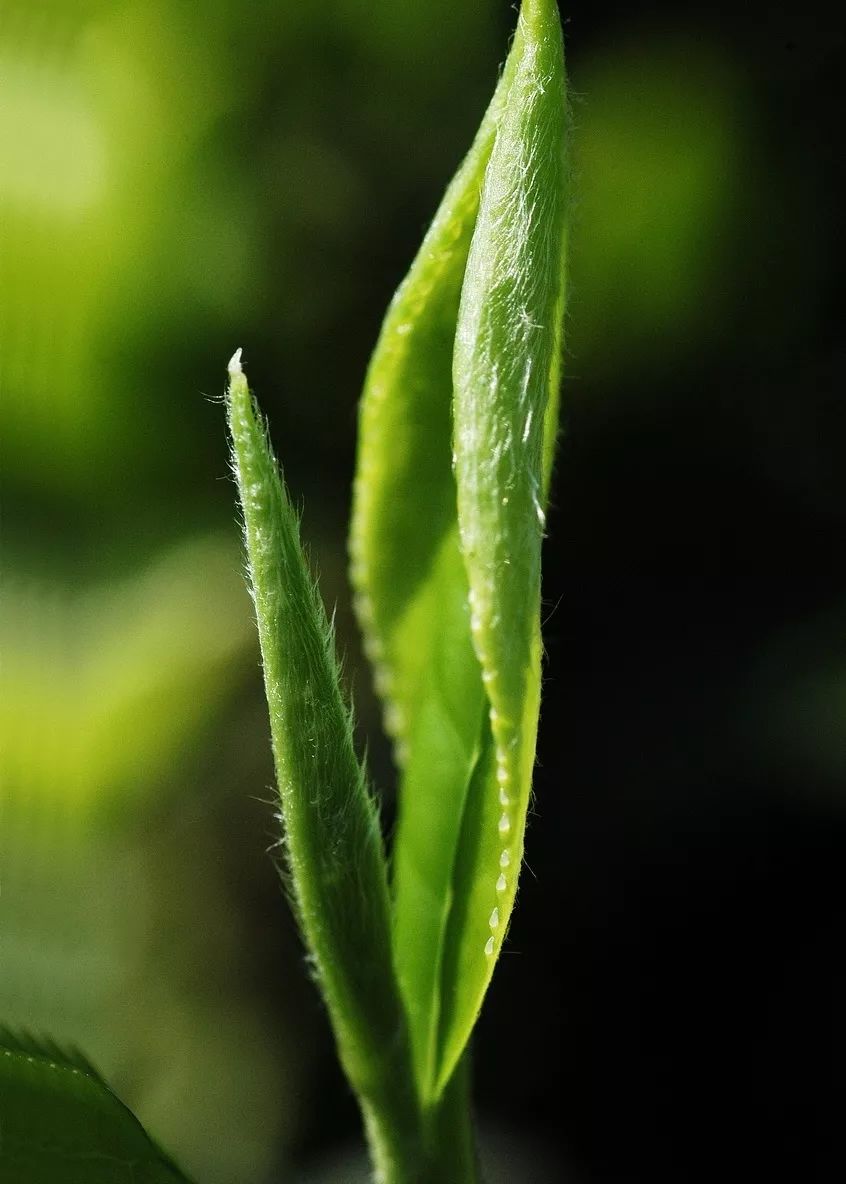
x=61 y=1124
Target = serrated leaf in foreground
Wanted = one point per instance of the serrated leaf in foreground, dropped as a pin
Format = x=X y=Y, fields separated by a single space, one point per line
x=61 y=1124
x=333 y=843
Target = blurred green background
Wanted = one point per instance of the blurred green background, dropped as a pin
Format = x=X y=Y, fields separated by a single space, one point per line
x=178 y=179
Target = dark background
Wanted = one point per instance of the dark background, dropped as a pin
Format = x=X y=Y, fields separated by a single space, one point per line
x=181 y=179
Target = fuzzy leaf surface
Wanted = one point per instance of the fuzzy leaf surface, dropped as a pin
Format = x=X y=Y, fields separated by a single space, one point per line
x=411 y=585
x=506 y=375
x=457 y=336
x=333 y=844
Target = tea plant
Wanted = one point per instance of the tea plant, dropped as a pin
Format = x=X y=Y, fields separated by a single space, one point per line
x=457 y=431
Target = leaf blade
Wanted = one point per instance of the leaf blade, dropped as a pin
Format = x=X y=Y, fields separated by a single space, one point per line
x=456 y=611
x=411 y=586
x=333 y=841
x=506 y=375
x=59 y=1120
x=404 y=437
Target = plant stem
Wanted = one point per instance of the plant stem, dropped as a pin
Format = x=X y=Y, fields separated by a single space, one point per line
x=437 y=1147
x=448 y=1132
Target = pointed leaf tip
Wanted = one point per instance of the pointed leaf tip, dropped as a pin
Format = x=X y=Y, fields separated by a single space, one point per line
x=234 y=367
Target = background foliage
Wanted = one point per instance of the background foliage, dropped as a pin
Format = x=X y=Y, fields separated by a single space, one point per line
x=179 y=179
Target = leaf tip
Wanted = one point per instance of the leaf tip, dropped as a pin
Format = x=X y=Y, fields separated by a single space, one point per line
x=234 y=366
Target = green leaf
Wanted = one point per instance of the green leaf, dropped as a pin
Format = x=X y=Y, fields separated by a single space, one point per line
x=411 y=587
x=492 y=274
x=506 y=375
x=333 y=844
x=61 y=1124
x=404 y=494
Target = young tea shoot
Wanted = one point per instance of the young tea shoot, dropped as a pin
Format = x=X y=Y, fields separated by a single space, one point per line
x=456 y=437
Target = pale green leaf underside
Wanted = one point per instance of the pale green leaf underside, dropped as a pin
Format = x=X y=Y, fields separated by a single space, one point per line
x=413 y=578
x=61 y=1124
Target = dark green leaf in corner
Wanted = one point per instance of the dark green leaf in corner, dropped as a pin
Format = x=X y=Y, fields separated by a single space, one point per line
x=61 y=1124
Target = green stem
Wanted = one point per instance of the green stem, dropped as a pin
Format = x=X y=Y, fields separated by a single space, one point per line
x=450 y=1144
x=392 y=1124
x=436 y=1147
